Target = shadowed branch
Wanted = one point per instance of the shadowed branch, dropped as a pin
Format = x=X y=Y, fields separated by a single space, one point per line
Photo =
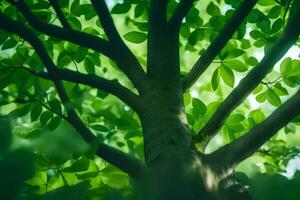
x=254 y=77
x=245 y=146
x=128 y=164
x=125 y=61
x=60 y=14
x=180 y=12
x=111 y=86
x=218 y=44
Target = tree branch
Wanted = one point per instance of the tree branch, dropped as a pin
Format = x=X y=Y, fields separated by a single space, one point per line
x=106 y=21
x=111 y=86
x=132 y=166
x=60 y=14
x=38 y=74
x=82 y=39
x=21 y=101
x=158 y=13
x=124 y=56
x=245 y=146
x=254 y=77
x=121 y=160
x=218 y=44
x=180 y=12
x=163 y=44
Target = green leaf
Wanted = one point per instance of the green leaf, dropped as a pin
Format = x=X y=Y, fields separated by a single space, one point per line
x=80 y=54
x=81 y=164
x=290 y=72
x=187 y=98
x=255 y=16
x=266 y=2
x=185 y=30
x=121 y=8
x=100 y=128
x=135 y=37
x=252 y=61
x=87 y=175
x=277 y=26
x=3 y=36
x=40 y=5
x=36 y=110
x=198 y=107
x=139 y=10
x=89 y=66
x=236 y=65
x=193 y=18
x=55 y=104
x=233 y=53
x=227 y=75
x=54 y=123
x=217 y=22
x=265 y=26
x=286 y=67
x=10 y=43
x=235 y=118
x=245 y=44
x=212 y=9
x=43 y=15
x=256 y=34
x=258 y=89
x=45 y=116
x=258 y=116
x=215 y=80
x=63 y=60
x=260 y=43
x=24 y=110
x=262 y=97
x=75 y=23
x=95 y=58
x=22 y=51
x=195 y=36
x=280 y=90
x=274 y=12
x=233 y=3
x=273 y=98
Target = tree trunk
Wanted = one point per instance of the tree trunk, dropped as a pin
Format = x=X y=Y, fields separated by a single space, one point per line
x=177 y=170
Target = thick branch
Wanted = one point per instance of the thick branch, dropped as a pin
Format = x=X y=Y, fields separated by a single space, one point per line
x=82 y=39
x=281 y=46
x=218 y=44
x=111 y=86
x=60 y=14
x=125 y=59
x=245 y=146
x=158 y=13
x=106 y=21
x=121 y=160
x=132 y=166
x=163 y=47
x=180 y=12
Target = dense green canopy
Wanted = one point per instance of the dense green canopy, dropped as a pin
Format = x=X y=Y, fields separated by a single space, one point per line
x=42 y=155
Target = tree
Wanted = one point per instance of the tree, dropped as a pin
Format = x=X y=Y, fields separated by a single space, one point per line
x=54 y=79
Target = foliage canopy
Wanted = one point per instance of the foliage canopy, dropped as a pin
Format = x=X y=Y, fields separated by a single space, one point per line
x=72 y=87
